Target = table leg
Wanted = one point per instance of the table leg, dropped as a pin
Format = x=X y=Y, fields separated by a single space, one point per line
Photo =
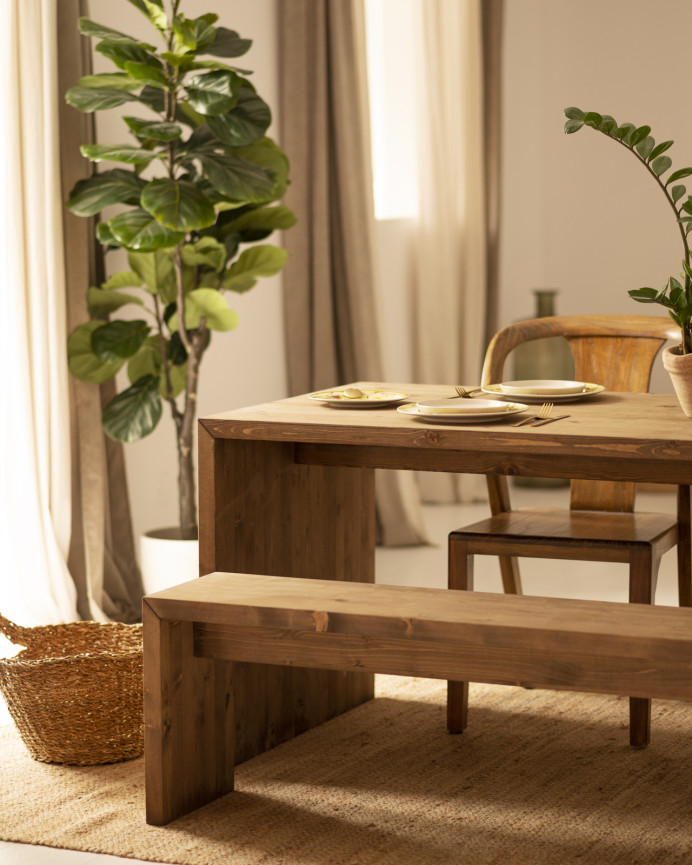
x=261 y=513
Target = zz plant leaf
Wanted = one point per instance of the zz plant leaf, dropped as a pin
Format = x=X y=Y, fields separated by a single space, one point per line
x=675 y=296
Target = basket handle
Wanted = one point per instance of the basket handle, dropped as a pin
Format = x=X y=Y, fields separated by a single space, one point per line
x=15 y=633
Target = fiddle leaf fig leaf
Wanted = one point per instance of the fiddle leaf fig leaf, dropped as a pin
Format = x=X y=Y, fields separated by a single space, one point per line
x=260 y=260
x=178 y=205
x=146 y=72
x=101 y=190
x=238 y=179
x=82 y=361
x=140 y=231
x=135 y=412
x=153 y=129
x=246 y=124
x=215 y=92
x=261 y=221
x=209 y=304
x=89 y=99
x=87 y=27
x=119 y=339
x=207 y=252
x=117 y=153
x=108 y=80
x=102 y=302
x=227 y=43
x=156 y=271
x=122 y=279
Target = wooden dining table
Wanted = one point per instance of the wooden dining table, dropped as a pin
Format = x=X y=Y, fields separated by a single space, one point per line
x=287 y=488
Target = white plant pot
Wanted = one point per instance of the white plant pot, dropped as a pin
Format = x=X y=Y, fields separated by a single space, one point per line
x=679 y=368
x=166 y=560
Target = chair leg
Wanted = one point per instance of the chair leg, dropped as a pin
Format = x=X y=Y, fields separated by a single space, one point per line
x=460 y=577
x=684 y=547
x=643 y=575
x=498 y=497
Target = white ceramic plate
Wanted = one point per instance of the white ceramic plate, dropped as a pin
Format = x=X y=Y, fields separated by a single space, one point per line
x=462 y=417
x=542 y=387
x=461 y=405
x=370 y=398
x=590 y=389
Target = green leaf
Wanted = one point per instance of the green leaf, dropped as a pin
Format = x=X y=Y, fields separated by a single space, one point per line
x=87 y=27
x=194 y=34
x=207 y=303
x=639 y=135
x=677 y=192
x=660 y=165
x=178 y=204
x=82 y=361
x=608 y=124
x=687 y=206
x=258 y=223
x=109 y=80
x=245 y=124
x=215 y=92
x=593 y=119
x=154 y=129
x=135 y=412
x=90 y=99
x=238 y=179
x=156 y=15
x=687 y=268
x=156 y=271
x=141 y=231
x=271 y=158
x=122 y=279
x=661 y=148
x=228 y=44
x=573 y=126
x=126 y=52
x=574 y=113
x=105 y=236
x=645 y=147
x=117 y=153
x=119 y=339
x=260 y=260
x=101 y=302
x=101 y=190
x=678 y=175
x=623 y=132
x=643 y=295
x=146 y=72
x=207 y=252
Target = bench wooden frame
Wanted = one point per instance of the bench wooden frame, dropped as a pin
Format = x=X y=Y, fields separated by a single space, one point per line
x=194 y=632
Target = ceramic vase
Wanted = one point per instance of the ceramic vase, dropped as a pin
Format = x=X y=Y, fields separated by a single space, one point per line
x=166 y=560
x=679 y=368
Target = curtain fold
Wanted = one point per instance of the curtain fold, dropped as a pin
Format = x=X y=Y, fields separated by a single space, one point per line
x=455 y=234
x=102 y=557
x=329 y=280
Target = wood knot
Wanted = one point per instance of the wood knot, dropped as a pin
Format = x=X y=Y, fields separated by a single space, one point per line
x=321 y=620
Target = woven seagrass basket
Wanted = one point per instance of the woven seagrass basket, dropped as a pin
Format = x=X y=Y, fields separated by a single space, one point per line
x=75 y=691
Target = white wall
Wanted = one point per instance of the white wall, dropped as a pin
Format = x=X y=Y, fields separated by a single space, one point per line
x=245 y=366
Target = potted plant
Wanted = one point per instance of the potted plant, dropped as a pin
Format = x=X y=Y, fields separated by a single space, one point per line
x=189 y=198
x=676 y=293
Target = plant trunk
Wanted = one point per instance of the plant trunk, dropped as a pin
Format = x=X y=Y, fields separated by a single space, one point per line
x=187 y=488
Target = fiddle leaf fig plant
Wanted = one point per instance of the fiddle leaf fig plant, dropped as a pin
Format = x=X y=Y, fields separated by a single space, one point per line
x=190 y=197
x=676 y=293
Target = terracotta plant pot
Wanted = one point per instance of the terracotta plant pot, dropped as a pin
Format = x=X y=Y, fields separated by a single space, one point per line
x=679 y=367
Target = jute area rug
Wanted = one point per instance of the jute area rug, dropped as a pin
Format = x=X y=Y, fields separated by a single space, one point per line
x=538 y=777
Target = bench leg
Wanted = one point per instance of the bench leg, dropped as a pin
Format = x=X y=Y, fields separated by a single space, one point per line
x=188 y=722
x=460 y=576
x=643 y=574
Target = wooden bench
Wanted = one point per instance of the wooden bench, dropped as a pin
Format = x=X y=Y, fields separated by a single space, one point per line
x=193 y=633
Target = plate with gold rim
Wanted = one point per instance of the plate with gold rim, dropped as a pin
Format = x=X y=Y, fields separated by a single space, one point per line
x=370 y=398
x=590 y=389
x=462 y=416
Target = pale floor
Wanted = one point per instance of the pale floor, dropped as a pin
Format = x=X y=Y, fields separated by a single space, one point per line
x=427 y=566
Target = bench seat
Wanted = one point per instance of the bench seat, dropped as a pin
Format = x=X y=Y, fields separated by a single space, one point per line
x=194 y=632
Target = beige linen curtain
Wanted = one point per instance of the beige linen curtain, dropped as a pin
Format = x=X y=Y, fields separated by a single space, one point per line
x=101 y=556
x=329 y=289
x=453 y=312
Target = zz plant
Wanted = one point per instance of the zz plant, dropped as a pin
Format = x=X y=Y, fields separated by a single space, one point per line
x=676 y=294
x=193 y=194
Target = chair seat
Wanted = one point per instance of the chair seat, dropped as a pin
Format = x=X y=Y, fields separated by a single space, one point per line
x=572 y=529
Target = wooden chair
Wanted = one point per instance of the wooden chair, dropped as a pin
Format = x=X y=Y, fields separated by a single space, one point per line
x=600 y=525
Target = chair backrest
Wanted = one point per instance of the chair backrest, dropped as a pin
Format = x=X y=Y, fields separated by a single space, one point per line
x=617 y=351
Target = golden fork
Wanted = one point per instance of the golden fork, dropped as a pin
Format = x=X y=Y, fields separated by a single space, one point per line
x=462 y=391
x=543 y=414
